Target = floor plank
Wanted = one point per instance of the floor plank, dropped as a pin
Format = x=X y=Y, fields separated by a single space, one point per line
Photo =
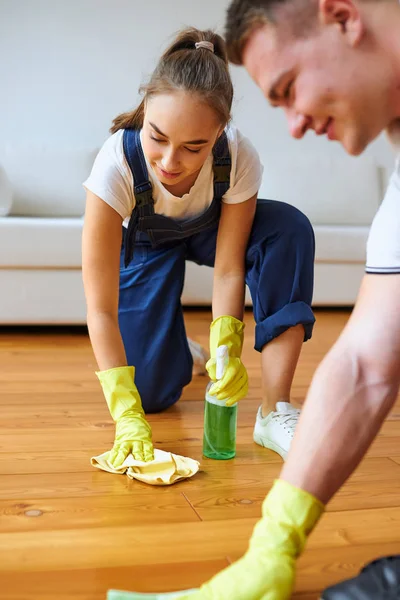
x=70 y=513
x=69 y=532
x=92 y=584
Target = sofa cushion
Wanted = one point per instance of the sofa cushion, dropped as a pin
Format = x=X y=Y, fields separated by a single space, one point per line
x=329 y=190
x=45 y=242
x=340 y=244
x=5 y=193
x=34 y=242
x=47 y=181
x=42 y=296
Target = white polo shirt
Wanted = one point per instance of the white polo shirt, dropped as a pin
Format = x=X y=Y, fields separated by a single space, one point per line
x=383 y=248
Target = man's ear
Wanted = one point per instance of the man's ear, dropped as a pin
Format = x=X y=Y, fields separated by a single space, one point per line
x=346 y=15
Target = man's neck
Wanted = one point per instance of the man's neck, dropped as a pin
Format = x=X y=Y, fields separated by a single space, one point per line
x=389 y=39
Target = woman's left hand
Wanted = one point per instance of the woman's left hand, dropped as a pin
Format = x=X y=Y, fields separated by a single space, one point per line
x=234 y=384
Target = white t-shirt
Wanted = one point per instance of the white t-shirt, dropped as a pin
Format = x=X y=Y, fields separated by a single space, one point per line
x=383 y=248
x=111 y=179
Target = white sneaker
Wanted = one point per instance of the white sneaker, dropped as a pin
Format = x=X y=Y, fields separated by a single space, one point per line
x=276 y=430
x=200 y=357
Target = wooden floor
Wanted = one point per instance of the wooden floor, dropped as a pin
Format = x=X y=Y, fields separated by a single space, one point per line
x=71 y=532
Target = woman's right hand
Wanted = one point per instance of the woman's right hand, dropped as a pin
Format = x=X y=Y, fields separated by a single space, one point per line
x=102 y=237
x=133 y=433
x=132 y=436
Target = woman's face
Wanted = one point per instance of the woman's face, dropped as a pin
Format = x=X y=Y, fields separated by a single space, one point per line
x=179 y=132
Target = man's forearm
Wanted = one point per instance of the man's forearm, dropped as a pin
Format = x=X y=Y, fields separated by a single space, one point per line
x=343 y=412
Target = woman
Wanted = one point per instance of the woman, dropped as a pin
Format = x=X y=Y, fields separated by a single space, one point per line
x=176 y=182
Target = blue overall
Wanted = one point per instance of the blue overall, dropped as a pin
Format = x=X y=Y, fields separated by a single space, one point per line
x=155 y=248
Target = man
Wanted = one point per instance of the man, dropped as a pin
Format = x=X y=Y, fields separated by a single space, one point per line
x=334 y=67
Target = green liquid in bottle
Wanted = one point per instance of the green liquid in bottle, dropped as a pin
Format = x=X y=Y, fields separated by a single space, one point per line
x=219 y=440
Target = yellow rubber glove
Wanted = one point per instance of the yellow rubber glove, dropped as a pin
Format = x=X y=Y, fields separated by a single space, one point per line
x=132 y=431
x=234 y=385
x=267 y=570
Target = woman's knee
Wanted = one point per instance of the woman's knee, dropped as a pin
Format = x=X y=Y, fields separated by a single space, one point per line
x=281 y=223
x=298 y=226
x=156 y=399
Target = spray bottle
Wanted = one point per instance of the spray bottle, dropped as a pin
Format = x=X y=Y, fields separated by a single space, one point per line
x=219 y=440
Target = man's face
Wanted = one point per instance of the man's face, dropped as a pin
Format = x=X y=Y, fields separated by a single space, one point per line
x=323 y=82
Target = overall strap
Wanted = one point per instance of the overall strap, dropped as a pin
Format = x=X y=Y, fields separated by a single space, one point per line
x=142 y=189
x=221 y=167
x=134 y=155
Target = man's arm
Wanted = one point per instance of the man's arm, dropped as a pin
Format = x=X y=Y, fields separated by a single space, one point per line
x=351 y=394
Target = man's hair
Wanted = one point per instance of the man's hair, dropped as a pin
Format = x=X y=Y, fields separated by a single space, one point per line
x=244 y=16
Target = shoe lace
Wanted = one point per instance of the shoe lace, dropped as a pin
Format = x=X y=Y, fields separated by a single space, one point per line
x=288 y=420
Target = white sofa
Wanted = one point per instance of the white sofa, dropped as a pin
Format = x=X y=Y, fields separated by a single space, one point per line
x=40 y=233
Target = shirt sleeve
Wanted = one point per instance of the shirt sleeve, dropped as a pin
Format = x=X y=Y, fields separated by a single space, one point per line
x=247 y=172
x=383 y=247
x=111 y=179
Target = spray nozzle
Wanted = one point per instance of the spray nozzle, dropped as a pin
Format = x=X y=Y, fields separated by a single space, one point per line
x=222 y=360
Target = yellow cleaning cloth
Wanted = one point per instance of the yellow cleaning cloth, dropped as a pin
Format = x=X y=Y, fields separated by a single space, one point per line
x=165 y=469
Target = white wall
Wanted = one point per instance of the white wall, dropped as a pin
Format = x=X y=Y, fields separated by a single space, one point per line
x=68 y=67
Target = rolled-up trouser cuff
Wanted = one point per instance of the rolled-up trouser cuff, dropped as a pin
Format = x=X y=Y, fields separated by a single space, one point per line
x=296 y=313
